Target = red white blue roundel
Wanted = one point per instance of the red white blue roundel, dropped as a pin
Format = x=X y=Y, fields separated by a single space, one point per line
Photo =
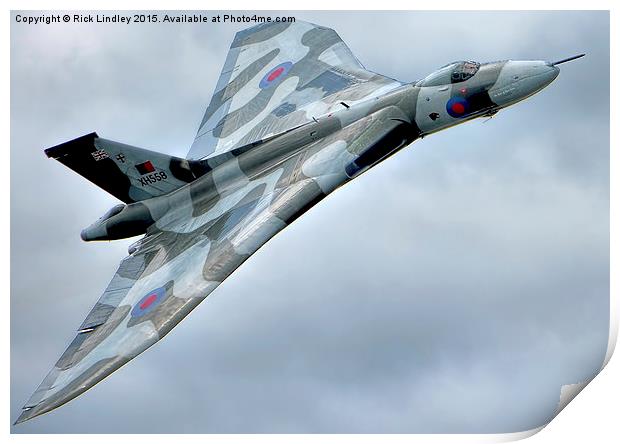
x=148 y=303
x=275 y=75
x=457 y=106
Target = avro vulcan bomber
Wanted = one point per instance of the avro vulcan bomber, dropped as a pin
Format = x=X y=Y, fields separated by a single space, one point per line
x=294 y=116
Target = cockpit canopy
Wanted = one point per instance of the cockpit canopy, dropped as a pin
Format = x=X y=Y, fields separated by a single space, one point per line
x=452 y=73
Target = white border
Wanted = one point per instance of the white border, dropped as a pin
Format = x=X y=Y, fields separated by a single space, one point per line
x=588 y=418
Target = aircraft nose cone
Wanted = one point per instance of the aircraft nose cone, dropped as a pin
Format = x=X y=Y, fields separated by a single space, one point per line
x=539 y=76
x=521 y=79
x=551 y=73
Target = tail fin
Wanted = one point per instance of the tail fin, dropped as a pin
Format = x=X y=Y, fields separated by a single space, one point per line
x=131 y=174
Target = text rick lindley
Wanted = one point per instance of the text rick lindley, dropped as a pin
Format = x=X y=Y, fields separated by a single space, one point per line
x=136 y=18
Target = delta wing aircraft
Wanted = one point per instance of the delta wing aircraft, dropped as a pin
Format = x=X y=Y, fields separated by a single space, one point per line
x=294 y=116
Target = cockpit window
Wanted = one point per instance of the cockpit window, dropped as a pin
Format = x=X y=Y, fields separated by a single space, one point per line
x=453 y=73
x=464 y=71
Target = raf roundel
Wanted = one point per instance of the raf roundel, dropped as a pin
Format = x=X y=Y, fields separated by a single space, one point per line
x=148 y=303
x=457 y=106
x=275 y=75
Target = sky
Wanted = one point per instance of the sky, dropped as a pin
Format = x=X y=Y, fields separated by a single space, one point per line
x=454 y=288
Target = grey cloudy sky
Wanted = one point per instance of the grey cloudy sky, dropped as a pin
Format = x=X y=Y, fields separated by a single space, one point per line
x=453 y=288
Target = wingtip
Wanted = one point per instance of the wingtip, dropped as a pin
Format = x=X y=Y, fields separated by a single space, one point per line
x=24 y=416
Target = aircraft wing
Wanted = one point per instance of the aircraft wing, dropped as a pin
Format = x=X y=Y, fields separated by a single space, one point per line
x=185 y=256
x=278 y=76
